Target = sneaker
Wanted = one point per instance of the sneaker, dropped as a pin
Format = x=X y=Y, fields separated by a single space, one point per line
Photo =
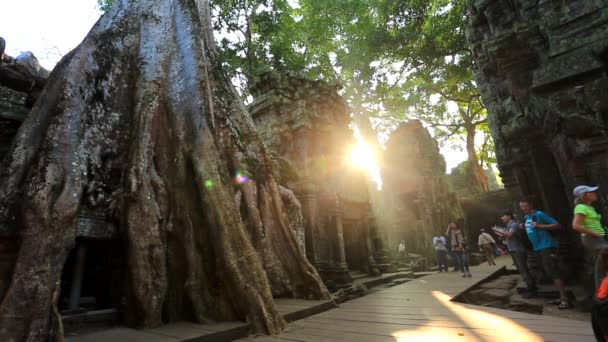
x=469 y=275
x=565 y=305
x=464 y=275
x=555 y=302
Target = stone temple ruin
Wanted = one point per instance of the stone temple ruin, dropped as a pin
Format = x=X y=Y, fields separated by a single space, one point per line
x=418 y=203
x=343 y=225
x=305 y=124
x=542 y=73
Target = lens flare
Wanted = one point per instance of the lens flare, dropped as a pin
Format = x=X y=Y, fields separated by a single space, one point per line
x=208 y=183
x=239 y=178
x=362 y=157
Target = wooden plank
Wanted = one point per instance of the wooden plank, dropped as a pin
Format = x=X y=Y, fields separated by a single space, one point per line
x=181 y=330
x=434 y=334
x=544 y=320
x=414 y=330
x=121 y=334
x=453 y=322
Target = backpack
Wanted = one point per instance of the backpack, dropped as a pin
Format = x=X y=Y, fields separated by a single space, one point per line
x=522 y=236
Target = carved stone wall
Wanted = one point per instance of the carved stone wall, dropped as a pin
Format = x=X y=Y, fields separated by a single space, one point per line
x=21 y=79
x=305 y=124
x=542 y=72
x=99 y=276
x=417 y=201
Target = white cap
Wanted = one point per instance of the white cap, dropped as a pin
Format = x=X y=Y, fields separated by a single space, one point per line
x=582 y=189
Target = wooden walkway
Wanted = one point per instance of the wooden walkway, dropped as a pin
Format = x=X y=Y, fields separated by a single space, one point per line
x=422 y=310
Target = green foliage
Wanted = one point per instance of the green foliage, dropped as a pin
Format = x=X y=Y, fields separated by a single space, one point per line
x=398 y=60
x=105 y=5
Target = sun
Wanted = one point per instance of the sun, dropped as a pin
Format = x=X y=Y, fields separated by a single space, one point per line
x=362 y=157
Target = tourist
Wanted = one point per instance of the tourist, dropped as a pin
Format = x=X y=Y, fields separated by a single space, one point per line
x=2 y=46
x=517 y=249
x=441 y=252
x=593 y=234
x=459 y=248
x=538 y=224
x=451 y=255
x=487 y=245
x=402 y=249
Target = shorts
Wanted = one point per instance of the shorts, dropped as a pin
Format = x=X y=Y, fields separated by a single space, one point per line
x=548 y=262
x=593 y=243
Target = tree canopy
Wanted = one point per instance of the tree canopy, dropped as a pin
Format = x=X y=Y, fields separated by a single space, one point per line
x=397 y=60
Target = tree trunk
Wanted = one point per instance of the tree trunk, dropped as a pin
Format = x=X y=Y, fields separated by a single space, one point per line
x=479 y=178
x=141 y=115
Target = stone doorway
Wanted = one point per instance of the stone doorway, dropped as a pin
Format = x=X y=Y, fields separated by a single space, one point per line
x=354 y=247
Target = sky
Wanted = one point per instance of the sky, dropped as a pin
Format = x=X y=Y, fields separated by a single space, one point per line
x=48 y=28
x=51 y=28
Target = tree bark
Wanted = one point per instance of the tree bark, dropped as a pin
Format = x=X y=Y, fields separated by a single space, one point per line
x=479 y=177
x=142 y=113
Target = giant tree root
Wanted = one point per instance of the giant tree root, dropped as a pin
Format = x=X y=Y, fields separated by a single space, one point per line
x=140 y=121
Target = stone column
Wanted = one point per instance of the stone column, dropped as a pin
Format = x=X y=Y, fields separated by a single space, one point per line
x=369 y=244
x=336 y=271
x=75 y=290
x=336 y=213
x=309 y=201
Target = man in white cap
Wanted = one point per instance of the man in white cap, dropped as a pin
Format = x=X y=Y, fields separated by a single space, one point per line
x=593 y=235
x=586 y=220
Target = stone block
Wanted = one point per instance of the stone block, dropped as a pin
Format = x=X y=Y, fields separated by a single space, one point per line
x=495 y=295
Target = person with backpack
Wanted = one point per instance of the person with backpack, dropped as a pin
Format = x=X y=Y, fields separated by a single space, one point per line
x=518 y=246
x=441 y=252
x=459 y=248
x=451 y=255
x=487 y=245
x=538 y=226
